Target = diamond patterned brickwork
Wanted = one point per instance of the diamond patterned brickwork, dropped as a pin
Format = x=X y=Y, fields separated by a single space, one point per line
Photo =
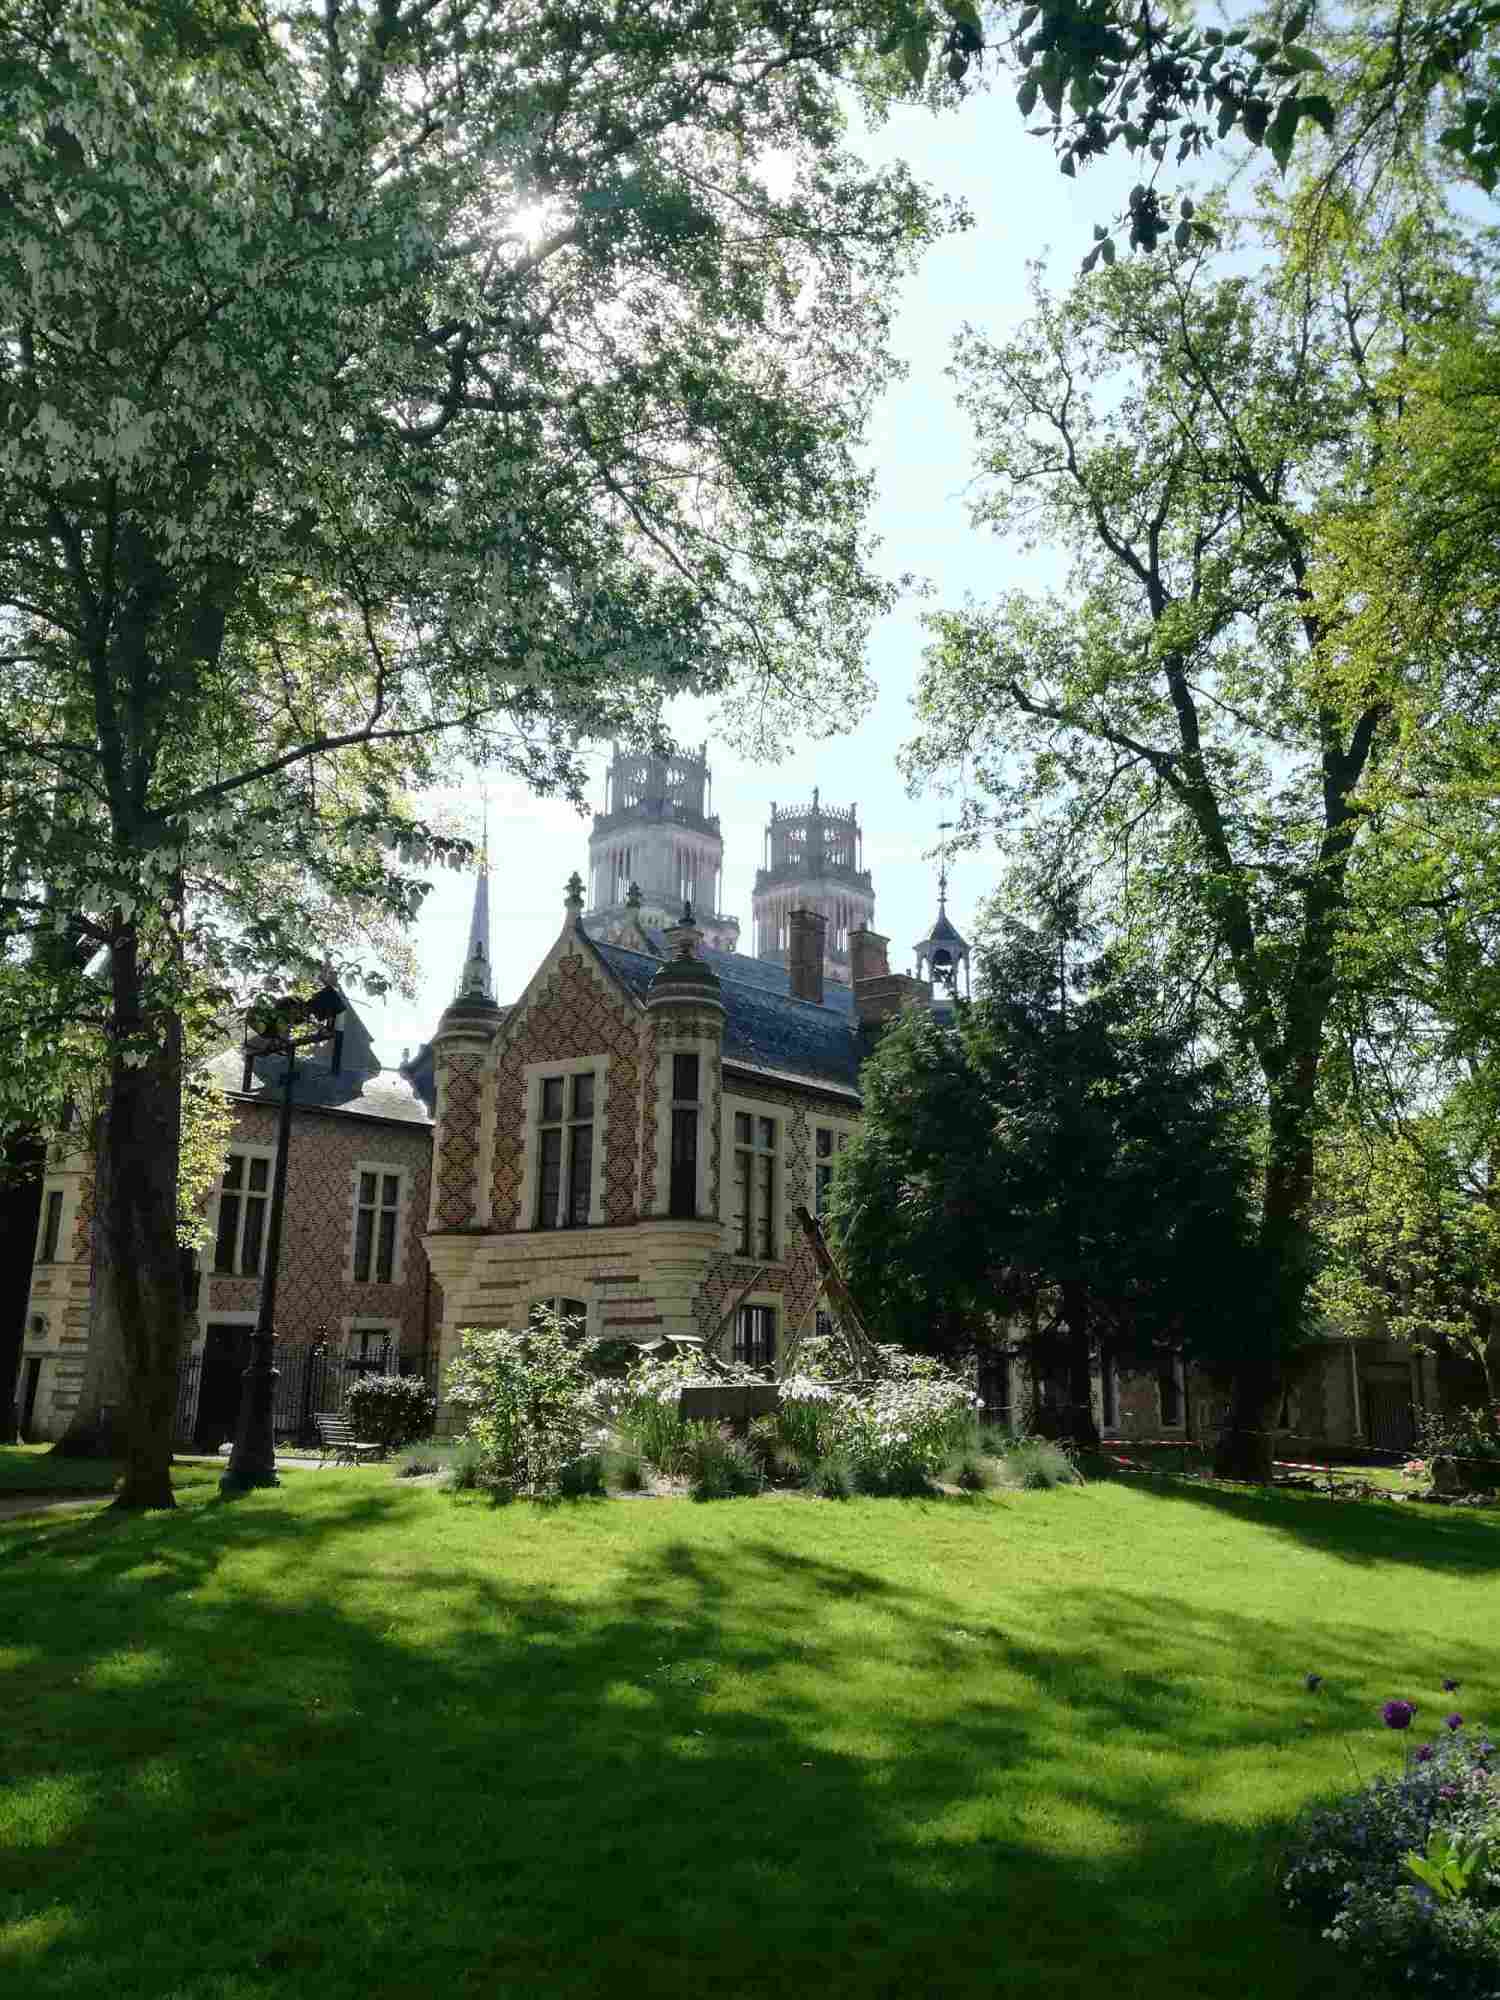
x=83 y=1222
x=575 y=1014
x=313 y=1295
x=462 y=1078
x=650 y=1066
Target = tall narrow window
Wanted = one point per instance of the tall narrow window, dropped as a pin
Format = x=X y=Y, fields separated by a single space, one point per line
x=1169 y=1381
x=683 y=1195
x=1109 y=1389
x=827 y=1144
x=376 y=1215
x=755 y=1336
x=565 y=1152
x=243 y=1197
x=755 y=1185
x=52 y=1226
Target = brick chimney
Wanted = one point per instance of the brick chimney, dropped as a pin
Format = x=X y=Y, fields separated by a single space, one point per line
x=867 y=959
x=805 y=956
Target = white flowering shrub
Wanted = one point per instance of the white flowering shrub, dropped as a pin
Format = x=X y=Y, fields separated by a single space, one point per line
x=534 y=1410
x=896 y=1434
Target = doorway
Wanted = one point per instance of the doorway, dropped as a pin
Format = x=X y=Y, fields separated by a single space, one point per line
x=226 y=1356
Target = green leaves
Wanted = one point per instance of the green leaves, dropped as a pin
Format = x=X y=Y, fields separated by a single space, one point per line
x=1449 y=1867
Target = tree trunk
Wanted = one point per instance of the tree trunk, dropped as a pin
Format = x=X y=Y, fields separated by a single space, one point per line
x=1079 y=1362
x=1245 y=1448
x=137 y=1220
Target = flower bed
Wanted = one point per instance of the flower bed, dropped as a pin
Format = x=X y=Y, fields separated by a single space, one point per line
x=1403 y=1876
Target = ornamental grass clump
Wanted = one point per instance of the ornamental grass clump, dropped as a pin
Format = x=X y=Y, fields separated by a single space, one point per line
x=1036 y=1464
x=1403 y=1876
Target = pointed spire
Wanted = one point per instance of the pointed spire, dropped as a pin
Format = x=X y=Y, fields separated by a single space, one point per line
x=476 y=983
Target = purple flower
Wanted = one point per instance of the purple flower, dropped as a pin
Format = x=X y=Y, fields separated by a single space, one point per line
x=1398 y=1714
x=1312 y=1682
x=1450 y=1685
x=1423 y=1753
x=1455 y=1720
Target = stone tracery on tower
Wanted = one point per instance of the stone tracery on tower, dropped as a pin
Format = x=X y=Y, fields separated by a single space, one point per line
x=658 y=835
x=813 y=860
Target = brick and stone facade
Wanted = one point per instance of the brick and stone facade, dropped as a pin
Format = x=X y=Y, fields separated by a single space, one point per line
x=638 y=1269
x=361 y=1121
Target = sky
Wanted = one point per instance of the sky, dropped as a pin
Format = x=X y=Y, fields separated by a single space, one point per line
x=922 y=452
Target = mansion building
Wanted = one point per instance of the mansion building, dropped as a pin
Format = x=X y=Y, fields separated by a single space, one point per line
x=628 y=1141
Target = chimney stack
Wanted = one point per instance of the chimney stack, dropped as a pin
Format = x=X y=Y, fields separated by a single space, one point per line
x=805 y=957
x=879 y=993
x=867 y=955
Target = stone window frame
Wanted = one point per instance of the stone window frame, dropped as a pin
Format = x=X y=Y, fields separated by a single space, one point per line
x=664 y=1102
x=531 y=1078
x=843 y=1130
x=251 y=1149
x=403 y=1176
x=59 y=1248
x=782 y=1117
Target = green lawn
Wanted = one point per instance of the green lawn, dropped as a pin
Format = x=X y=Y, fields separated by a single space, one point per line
x=353 y=1739
x=32 y=1469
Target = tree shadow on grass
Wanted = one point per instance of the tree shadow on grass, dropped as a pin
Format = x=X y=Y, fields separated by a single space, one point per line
x=1356 y=1531
x=744 y=1770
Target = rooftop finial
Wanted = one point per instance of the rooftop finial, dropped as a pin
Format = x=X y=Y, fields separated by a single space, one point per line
x=633 y=896
x=575 y=895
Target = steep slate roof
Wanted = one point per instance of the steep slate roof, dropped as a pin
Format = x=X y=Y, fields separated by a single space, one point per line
x=943 y=932
x=361 y=1089
x=766 y=1028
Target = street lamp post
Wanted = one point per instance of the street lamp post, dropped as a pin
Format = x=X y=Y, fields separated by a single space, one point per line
x=276 y=1023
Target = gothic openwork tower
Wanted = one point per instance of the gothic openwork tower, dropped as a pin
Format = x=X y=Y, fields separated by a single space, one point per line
x=656 y=833
x=813 y=860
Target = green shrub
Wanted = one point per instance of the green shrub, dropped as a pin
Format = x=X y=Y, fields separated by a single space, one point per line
x=582 y=1478
x=390 y=1410
x=624 y=1469
x=533 y=1406
x=720 y=1466
x=833 y=1478
x=1035 y=1463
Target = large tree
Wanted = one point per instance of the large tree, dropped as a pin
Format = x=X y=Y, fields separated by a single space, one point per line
x=376 y=372
x=1187 y=717
x=1063 y=1155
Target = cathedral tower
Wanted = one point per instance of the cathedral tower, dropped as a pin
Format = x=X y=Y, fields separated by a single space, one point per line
x=813 y=861
x=657 y=835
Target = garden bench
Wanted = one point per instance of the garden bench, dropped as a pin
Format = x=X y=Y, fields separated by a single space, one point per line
x=336 y=1439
